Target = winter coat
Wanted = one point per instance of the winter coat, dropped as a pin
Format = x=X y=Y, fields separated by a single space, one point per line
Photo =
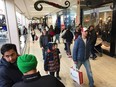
x=68 y=36
x=51 y=63
x=36 y=80
x=81 y=51
x=44 y=39
x=9 y=73
x=93 y=37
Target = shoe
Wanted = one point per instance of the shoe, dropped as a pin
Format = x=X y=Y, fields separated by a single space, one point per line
x=93 y=86
x=58 y=77
x=94 y=57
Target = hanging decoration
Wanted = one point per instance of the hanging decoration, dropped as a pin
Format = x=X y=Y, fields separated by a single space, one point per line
x=67 y=3
x=112 y=7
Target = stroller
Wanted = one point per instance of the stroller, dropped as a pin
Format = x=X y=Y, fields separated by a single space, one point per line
x=98 y=49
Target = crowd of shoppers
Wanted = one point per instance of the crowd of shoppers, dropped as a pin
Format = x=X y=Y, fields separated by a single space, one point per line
x=14 y=66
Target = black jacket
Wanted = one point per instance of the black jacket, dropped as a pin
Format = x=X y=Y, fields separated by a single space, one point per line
x=93 y=37
x=68 y=36
x=36 y=80
x=9 y=74
x=44 y=39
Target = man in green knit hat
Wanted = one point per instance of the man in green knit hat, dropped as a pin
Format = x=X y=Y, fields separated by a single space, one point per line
x=27 y=64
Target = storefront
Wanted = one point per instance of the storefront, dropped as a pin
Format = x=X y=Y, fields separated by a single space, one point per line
x=4 y=34
x=101 y=18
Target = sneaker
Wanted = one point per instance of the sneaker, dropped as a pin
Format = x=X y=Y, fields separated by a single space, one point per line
x=93 y=86
x=58 y=77
x=93 y=57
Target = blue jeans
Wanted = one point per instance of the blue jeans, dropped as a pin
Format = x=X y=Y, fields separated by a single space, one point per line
x=92 y=50
x=68 y=47
x=57 y=38
x=44 y=53
x=88 y=70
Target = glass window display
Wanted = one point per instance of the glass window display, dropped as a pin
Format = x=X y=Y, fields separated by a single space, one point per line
x=3 y=26
x=4 y=35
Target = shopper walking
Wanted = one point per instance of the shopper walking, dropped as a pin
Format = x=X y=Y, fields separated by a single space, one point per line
x=57 y=34
x=81 y=53
x=44 y=39
x=33 y=34
x=93 y=38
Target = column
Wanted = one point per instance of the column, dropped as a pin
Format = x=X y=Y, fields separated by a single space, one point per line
x=105 y=16
x=113 y=32
x=12 y=24
x=78 y=13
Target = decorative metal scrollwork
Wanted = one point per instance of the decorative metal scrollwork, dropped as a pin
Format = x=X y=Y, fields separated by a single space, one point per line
x=112 y=7
x=67 y=3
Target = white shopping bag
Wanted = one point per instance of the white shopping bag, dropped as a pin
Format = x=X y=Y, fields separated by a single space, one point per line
x=76 y=75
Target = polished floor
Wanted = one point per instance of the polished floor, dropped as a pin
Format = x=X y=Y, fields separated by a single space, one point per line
x=103 y=68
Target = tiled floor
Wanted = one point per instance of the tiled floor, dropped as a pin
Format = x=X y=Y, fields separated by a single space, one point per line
x=104 y=68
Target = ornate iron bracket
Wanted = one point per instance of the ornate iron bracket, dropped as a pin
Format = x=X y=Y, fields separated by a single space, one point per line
x=67 y=3
x=112 y=7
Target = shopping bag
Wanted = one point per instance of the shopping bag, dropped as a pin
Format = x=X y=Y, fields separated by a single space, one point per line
x=76 y=75
x=36 y=37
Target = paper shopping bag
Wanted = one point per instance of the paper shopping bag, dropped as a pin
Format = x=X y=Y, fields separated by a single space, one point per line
x=76 y=75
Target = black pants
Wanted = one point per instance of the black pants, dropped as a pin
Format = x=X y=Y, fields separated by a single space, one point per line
x=33 y=37
x=52 y=73
x=92 y=50
x=57 y=73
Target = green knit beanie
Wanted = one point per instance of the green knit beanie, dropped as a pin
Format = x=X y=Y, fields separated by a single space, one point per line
x=26 y=62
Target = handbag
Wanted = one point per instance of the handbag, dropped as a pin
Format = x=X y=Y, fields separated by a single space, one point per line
x=36 y=37
x=76 y=75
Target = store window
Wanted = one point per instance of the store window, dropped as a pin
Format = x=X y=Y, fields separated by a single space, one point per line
x=101 y=18
x=4 y=35
x=3 y=23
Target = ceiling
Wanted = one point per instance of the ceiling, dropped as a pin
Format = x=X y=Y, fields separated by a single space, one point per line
x=26 y=7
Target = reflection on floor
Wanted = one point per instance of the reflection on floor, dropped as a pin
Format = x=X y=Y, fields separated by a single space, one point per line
x=22 y=42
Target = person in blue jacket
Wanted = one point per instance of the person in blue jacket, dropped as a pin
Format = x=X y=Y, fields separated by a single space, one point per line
x=9 y=72
x=81 y=53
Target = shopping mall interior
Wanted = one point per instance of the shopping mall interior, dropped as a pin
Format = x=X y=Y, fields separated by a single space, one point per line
x=18 y=15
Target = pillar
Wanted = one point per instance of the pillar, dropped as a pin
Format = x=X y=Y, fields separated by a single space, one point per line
x=113 y=32
x=12 y=24
x=78 y=13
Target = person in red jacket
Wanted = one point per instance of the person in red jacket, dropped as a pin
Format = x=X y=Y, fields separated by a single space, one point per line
x=27 y=64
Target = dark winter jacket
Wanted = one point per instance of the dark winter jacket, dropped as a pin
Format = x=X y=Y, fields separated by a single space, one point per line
x=51 y=62
x=93 y=37
x=44 y=39
x=36 y=80
x=9 y=74
x=81 y=51
x=57 y=30
x=68 y=36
